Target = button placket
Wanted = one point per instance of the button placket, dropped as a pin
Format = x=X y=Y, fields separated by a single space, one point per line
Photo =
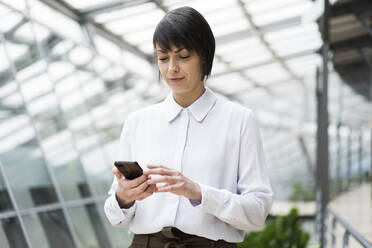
x=185 y=123
x=186 y=132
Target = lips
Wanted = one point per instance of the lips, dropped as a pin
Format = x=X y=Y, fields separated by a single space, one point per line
x=176 y=79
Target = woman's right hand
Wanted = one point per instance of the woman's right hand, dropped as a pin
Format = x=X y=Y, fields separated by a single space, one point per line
x=128 y=191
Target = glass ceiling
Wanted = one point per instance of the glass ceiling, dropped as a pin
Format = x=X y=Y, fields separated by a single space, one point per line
x=265 y=59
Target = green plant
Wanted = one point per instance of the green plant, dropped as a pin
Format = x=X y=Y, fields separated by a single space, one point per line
x=366 y=177
x=300 y=193
x=283 y=232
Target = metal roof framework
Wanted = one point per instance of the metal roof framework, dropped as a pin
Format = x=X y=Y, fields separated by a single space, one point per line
x=99 y=17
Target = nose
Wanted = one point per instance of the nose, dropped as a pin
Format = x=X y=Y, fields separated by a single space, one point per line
x=173 y=66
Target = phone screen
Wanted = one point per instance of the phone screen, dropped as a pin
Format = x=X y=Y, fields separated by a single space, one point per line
x=130 y=170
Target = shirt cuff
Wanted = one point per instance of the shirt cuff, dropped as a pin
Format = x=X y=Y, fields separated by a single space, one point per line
x=194 y=202
x=212 y=199
x=120 y=214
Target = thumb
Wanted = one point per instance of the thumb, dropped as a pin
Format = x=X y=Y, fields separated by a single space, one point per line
x=116 y=172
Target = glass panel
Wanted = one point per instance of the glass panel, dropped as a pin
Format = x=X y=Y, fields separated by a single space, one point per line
x=76 y=104
x=136 y=22
x=9 y=18
x=19 y=152
x=70 y=106
x=278 y=14
x=81 y=4
x=230 y=26
x=88 y=226
x=48 y=229
x=5 y=203
x=60 y=151
x=238 y=45
x=265 y=56
x=308 y=29
x=11 y=235
x=19 y=46
x=266 y=6
x=95 y=124
x=125 y=12
x=138 y=66
x=35 y=231
x=245 y=54
x=24 y=166
x=214 y=11
x=22 y=158
x=140 y=36
x=96 y=166
x=19 y=5
x=56 y=21
x=51 y=125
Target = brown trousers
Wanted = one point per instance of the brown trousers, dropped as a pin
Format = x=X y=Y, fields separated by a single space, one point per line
x=171 y=237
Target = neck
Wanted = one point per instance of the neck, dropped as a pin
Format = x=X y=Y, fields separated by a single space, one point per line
x=186 y=99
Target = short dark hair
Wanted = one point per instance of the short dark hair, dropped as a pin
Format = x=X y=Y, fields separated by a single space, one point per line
x=186 y=27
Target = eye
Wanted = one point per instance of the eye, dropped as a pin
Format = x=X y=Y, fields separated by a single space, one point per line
x=163 y=59
x=184 y=57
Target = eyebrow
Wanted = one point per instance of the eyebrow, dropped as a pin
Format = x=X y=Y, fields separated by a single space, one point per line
x=165 y=51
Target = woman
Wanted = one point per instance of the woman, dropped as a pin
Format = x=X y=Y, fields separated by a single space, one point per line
x=205 y=181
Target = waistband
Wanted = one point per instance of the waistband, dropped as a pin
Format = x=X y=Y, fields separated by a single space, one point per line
x=171 y=237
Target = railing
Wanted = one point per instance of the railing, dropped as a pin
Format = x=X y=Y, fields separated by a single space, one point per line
x=349 y=231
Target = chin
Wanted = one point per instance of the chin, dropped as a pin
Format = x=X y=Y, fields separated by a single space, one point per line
x=178 y=89
x=178 y=92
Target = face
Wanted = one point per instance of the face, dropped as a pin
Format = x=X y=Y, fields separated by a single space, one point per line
x=181 y=70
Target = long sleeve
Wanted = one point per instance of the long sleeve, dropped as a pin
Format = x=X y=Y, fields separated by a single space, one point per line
x=117 y=216
x=249 y=207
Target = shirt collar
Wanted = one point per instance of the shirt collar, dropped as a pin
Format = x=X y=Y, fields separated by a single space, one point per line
x=199 y=109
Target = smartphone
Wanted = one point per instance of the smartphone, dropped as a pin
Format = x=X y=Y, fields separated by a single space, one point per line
x=130 y=170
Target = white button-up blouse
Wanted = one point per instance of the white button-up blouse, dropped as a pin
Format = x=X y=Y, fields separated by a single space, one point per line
x=213 y=142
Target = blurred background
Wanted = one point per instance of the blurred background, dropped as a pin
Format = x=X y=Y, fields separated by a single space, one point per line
x=72 y=70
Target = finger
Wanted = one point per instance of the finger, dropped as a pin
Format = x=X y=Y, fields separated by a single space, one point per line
x=157 y=187
x=135 y=182
x=161 y=171
x=150 y=189
x=167 y=188
x=152 y=166
x=144 y=195
x=116 y=172
x=141 y=188
x=162 y=179
x=147 y=187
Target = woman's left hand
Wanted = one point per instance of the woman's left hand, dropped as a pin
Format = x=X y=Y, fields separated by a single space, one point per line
x=174 y=181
